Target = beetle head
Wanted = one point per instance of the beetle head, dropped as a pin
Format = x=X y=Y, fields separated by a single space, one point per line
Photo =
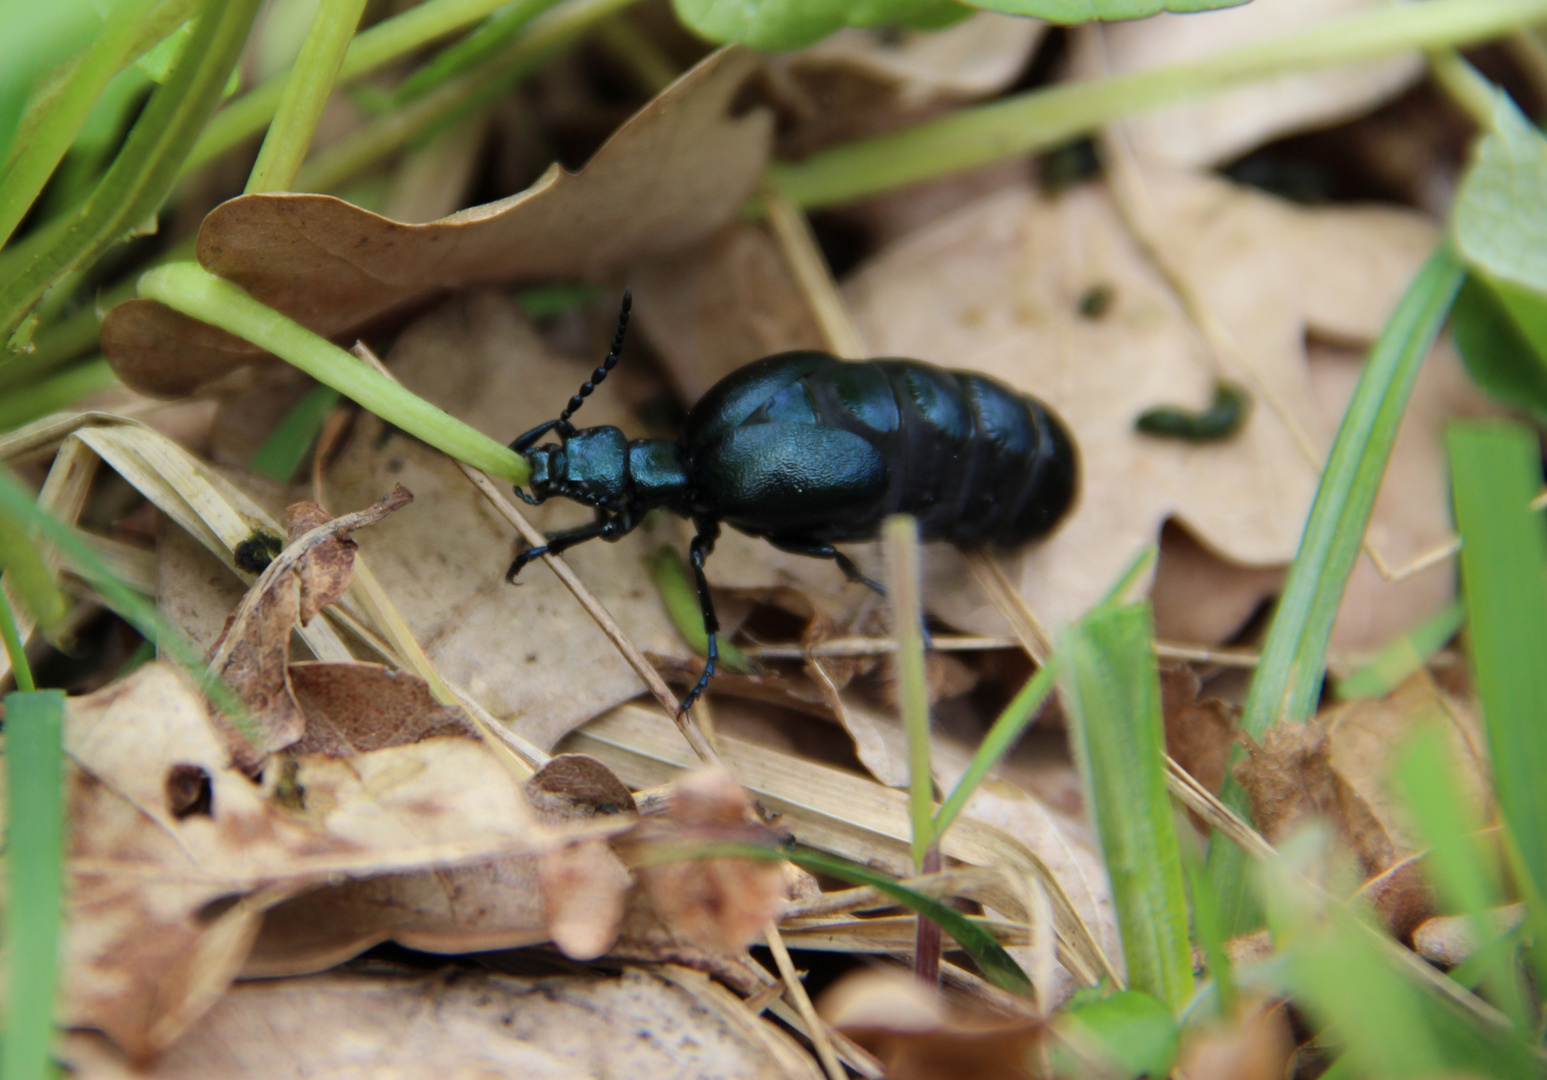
x=590 y=467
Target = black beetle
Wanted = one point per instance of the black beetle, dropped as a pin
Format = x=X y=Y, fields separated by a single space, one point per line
x=806 y=450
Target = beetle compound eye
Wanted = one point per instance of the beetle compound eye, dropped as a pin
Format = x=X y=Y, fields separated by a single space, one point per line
x=1224 y=417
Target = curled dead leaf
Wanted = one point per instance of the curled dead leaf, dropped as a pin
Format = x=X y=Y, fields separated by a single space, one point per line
x=680 y=168
x=253 y=655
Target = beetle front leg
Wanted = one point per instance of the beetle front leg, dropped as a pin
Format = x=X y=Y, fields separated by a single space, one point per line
x=605 y=527
x=698 y=551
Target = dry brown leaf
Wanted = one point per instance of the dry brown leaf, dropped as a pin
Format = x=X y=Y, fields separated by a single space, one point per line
x=723 y=303
x=1199 y=733
x=529 y=653
x=174 y=854
x=905 y=1027
x=1200 y=597
x=253 y=656
x=720 y=904
x=1452 y=939
x=1225 y=125
x=465 y=1025
x=996 y=287
x=502 y=903
x=354 y=708
x=1289 y=779
x=1254 y=1044
x=679 y=169
x=1401 y=896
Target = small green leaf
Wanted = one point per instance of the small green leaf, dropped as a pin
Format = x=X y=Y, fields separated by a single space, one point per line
x=1500 y=217
x=1128 y=1034
x=287 y=445
x=1082 y=11
x=794 y=24
x=1496 y=347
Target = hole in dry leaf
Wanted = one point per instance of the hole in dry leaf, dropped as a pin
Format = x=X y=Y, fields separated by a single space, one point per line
x=189 y=792
x=256 y=552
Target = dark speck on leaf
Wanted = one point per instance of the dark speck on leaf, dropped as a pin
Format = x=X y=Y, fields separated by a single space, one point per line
x=256 y=552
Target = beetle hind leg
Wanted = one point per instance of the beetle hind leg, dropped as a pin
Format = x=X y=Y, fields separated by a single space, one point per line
x=817 y=550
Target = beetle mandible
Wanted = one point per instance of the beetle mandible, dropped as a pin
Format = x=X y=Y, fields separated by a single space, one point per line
x=807 y=450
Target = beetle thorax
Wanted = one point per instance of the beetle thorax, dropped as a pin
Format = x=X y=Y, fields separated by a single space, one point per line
x=599 y=467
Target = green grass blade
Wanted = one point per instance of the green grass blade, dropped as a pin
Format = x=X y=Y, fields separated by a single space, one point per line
x=288 y=444
x=15 y=651
x=995 y=964
x=306 y=92
x=1042 y=119
x=34 y=759
x=55 y=118
x=27 y=574
x=1288 y=680
x=1403 y=655
x=17 y=508
x=189 y=288
x=1495 y=471
x=389 y=40
x=1111 y=691
x=142 y=174
x=58 y=391
x=1430 y=789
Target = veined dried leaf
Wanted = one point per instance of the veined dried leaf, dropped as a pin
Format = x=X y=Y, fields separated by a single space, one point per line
x=997 y=287
x=353 y=708
x=679 y=169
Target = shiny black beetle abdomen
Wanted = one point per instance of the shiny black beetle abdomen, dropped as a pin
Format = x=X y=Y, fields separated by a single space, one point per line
x=808 y=450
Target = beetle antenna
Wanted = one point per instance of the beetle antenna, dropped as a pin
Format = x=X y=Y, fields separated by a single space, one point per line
x=565 y=427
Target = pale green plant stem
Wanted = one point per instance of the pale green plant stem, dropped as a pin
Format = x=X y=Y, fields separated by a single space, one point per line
x=306 y=91
x=1042 y=119
x=189 y=288
x=388 y=40
x=547 y=35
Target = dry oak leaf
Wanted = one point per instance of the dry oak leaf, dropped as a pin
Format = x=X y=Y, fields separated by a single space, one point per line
x=499 y=903
x=1223 y=126
x=664 y=1023
x=996 y=287
x=253 y=655
x=174 y=855
x=680 y=168
x=528 y=653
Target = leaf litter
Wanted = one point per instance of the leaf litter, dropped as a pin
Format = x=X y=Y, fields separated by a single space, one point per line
x=381 y=816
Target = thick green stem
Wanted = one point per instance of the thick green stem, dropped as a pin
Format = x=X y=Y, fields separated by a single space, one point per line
x=1043 y=119
x=306 y=92
x=189 y=288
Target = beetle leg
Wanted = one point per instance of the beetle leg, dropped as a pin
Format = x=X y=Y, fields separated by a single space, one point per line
x=605 y=527
x=698 y=551
x=817 y=550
